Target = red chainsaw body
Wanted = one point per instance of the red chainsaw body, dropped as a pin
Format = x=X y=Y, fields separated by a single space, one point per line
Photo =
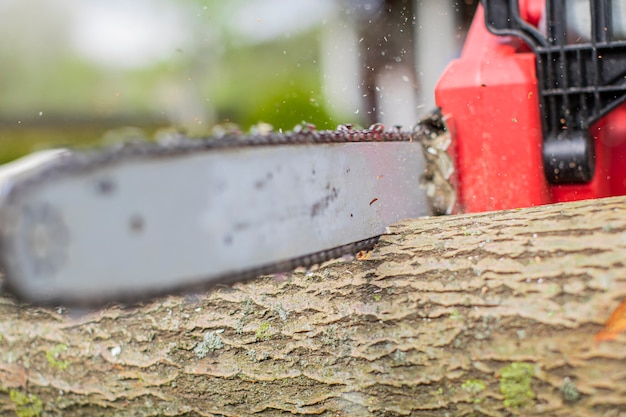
x=489 y=98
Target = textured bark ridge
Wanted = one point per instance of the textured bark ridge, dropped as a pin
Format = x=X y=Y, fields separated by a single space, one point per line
x=493 y=314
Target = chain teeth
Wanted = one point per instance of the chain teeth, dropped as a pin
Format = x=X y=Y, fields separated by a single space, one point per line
x=438 y=178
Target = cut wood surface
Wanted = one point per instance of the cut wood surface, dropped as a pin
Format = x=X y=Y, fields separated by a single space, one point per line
x=493 y=314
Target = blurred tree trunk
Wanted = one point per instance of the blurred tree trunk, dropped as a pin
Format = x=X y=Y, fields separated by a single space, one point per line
x=404 y=46
x=386 y=29
x=492 y=314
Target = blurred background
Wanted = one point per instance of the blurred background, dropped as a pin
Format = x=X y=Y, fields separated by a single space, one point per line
x=84 y=72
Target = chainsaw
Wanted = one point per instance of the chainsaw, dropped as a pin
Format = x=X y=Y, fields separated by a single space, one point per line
x=531 y=113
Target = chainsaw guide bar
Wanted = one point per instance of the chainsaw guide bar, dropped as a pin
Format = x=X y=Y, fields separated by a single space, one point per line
x=142 y=219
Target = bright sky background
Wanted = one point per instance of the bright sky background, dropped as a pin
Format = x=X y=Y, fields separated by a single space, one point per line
x=128 y=33
x=266 y=19
x=135 y=33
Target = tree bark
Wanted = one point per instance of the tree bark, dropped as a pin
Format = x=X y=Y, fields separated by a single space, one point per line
x=492 y=314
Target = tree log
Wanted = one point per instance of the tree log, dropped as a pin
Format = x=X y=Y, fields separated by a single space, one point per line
x=494 y=314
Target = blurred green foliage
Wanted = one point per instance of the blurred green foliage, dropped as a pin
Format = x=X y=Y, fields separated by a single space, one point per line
x=283 y=89
x=53 y=97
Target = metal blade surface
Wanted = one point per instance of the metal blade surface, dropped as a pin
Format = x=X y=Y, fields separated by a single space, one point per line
x=143 y=227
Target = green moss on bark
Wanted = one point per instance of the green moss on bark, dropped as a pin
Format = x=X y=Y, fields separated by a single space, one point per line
x=515 y=382
x=26 y=405
x=53 y=354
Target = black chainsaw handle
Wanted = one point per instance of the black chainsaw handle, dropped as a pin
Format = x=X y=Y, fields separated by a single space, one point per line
x=579 y=81
x=503 y=18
